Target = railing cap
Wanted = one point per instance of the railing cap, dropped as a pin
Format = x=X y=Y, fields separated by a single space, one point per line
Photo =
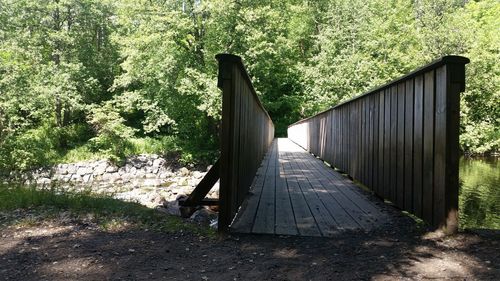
x=434 y=64
x=239 y=61
x=228 y=57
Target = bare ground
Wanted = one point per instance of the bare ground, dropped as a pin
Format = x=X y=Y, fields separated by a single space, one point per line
x=79 y=251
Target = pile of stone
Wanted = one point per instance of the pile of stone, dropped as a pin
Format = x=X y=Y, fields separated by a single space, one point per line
x=150 y=180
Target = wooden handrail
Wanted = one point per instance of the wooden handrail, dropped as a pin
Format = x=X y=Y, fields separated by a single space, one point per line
x=436 y=63
x=400 y=140
x=247 y=132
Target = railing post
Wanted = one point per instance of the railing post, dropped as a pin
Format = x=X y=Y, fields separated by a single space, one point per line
x=227 y=179
x=450 y=82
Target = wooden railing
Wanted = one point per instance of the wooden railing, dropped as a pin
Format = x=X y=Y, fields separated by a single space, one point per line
x=400 y=140
x=247 y=133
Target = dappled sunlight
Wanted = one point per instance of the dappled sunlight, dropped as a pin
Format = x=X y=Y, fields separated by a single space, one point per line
x=420 y=264
x=72 y=265
x=286 y=253
x=51 y=231
x=89 y=254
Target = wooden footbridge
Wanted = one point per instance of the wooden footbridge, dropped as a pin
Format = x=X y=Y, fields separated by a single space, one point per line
x=399 y=140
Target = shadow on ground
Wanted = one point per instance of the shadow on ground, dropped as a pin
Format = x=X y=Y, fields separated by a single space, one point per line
x=76 y=251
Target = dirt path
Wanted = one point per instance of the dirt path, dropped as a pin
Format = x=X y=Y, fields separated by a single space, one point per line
x=76 y=251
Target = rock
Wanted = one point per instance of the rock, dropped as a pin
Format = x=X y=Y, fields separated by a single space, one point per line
x=43 y=181
x=158 y=162
x=182 y=181
x=198 y=175
x=203 y=216
x=140 y=173
x=88 y=178
x=152 y=182
x=165 y=175
x=83 y=171
x=172 y=208
x=157 y=200
x=111 y=169
x=75 y=177
x=184 y=171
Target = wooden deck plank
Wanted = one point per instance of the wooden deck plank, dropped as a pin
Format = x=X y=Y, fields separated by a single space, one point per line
x=345 y=192
x=296 y=194
x=342 y=219
x=352 y=192
x=245 y=218
x=265 y=217
x=285 y=220
x=305 y=221
x=323 y=218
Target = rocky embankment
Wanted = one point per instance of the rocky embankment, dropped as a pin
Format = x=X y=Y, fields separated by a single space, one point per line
x=151 y=180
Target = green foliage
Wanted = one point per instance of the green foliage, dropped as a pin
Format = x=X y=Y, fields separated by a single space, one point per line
x=83 y=77
x=31 y=148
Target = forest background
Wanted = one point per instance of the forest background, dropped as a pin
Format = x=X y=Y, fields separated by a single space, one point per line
x=86 y=79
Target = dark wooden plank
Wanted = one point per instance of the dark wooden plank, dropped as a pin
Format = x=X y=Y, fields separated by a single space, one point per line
x=381 y=145
x=418 y=134
x=357 y=202
x=370 y=120
x=342 y=217
x=303 y=216
x=345 y=187
x=285 y=220
x=203 y=187
x=450 y=81
x=265 y=216
x=387 y=144
x=428 y=149
x=241 y=146
x=323 y=218
x=408 y=146
x=246 y=216
x=393 y=145
x=341 y=208
x=226 y=180
x=439 y=214
x=455 y=77
x=400 y=140
x=362 y=137
x=234 y=167
x=375 y=152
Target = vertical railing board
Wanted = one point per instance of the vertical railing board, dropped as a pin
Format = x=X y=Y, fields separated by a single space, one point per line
x=408 y=146
x=393 y=145
x=428 y=150
x=400 y=140
x=374 y=186
x=381 y=138
x=418 y=144
x=246 y=133
x=387 y=144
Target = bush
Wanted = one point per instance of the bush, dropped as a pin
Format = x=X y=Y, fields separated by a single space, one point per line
x=32 y=148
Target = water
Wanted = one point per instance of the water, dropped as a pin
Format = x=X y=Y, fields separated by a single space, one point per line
x=479 y=200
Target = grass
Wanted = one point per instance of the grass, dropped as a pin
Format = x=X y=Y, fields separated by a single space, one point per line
x=21 y=205
x=135 y=146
